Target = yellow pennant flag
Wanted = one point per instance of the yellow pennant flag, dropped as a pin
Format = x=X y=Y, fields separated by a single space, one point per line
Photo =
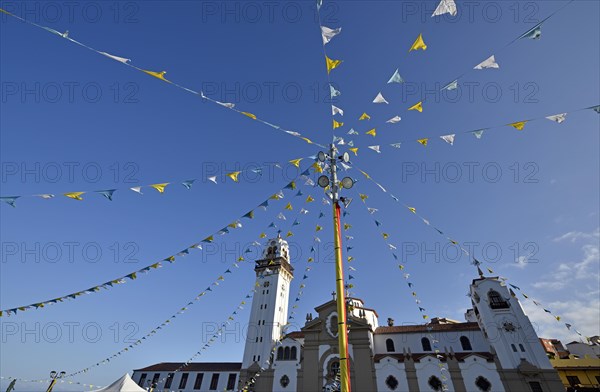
x=400 y=266
x=347 y=226
x=252 y=116
x=307 y=140
x=419 y=44
x=158 y=75
x=160 y=187
x=234 y=176
x=385 y=236
x=423 y=141
x=350 y=258
x=364 y=116
x=363 y=197
x=519 y=125
x=337 y=124
x=75 y=195
x=318 y=228
x=310 y=199
x=354 y=150
x=372 y=132
x=332 y=64
x=418 y=107
x=289 y=234
x=310 y=259
x=414 y=210
x=296 y=162
x=317 y=167
x=263 y=235
x=289 y=206
x=365 y=174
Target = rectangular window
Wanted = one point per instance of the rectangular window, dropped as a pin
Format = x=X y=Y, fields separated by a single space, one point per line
x=535 y=386
x=231 y=381
x=214 y=382
x=198 y=382
x=183 y=381
x=169 y=380
x=573 y=380
x=155 y=379
x=142 y=379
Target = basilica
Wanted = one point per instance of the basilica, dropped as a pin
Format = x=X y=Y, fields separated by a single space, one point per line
x=495 y=349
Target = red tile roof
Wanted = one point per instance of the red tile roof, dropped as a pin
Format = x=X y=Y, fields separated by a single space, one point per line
x=193 y=367
x=428 y=328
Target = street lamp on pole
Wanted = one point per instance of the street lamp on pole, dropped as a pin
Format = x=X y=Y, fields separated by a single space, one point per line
x=334 y=187
x=54 y=377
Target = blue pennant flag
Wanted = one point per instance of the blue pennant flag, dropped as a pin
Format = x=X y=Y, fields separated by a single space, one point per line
x=188 y=184
x=107 y=193
x=10 y=200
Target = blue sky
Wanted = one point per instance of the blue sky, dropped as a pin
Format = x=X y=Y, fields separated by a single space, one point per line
x=120 y=128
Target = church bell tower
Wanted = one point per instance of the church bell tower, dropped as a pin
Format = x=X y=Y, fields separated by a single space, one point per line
x=269 y=312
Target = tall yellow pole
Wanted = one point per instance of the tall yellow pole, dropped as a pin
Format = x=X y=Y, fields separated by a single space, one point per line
x=339 y=281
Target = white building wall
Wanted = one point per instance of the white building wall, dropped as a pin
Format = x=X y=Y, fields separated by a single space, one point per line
x=473 y=367
x=427 y=367
x=494 y=321
x=449 y=340
x=189 y=387
x=390 y=367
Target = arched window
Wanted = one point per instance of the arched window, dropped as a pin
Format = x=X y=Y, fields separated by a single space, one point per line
x=293 y=353
x=334 y=368
x=521 y=347
x=426 y=344
x=286 y=353
x=284 y=381
x=435 y=383
x=389 y=345
x=496 y=300
x=391 y=382
x=465 y=343
x=280 y=353
x=514 y=348
x=483 y=384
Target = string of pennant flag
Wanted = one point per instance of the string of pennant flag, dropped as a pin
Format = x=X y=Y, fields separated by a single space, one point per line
x=236 y=224
x=159 y=187
x=327 y=34
x=213 y=338
x=475 y=262
x=160 y=75
x=449 y=7
x=235 y=265
x=60 y=381
x=451 y=138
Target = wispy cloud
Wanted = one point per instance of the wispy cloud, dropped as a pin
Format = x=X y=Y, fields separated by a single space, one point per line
x=573 y=236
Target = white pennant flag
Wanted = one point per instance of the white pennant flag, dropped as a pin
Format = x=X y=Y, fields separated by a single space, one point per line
x=335 y=110
x=372 y=210
x=448 y=139
x=396 y=145
x=375 y=148
x=451 y=86
x=346 y=167
x=379 y=99
x=213 y=179
x=351 y=143
x=281 y=216
x=394 y=120
x=352 y=132
x=341 y=142
x=559 y=118
x=445 y=7
x=293 y=133
x=120 y=59
x=328 y=33
x=137 y=189
x=226 y=104
x=490 y=62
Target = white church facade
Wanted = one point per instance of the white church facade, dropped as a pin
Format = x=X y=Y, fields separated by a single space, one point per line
x=495 y=349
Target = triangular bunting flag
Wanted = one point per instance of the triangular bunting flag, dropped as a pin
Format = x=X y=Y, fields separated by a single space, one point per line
x=328 y=33
x=332 y=64
x=372 y=132
x=335 y=110
x=418 y=44
x=559 y=118
x=379 y=99
x=448 y=139
x=423 y=141
x=518 y=125
x=160 y=187
x=445 y=7
x=333 y=92
x=158 y=75
x=364 y=116
x=107 y=193
x=375 y=148
x=74 y=195
x=418 y=107
x=488 y=63
x=396 y=78
x=234 y=176
x=337 y=124
x=188 y=184
x=394 y=120
x=252 y=116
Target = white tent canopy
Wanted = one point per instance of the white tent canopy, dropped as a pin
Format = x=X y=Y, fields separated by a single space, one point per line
x=123 y=384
